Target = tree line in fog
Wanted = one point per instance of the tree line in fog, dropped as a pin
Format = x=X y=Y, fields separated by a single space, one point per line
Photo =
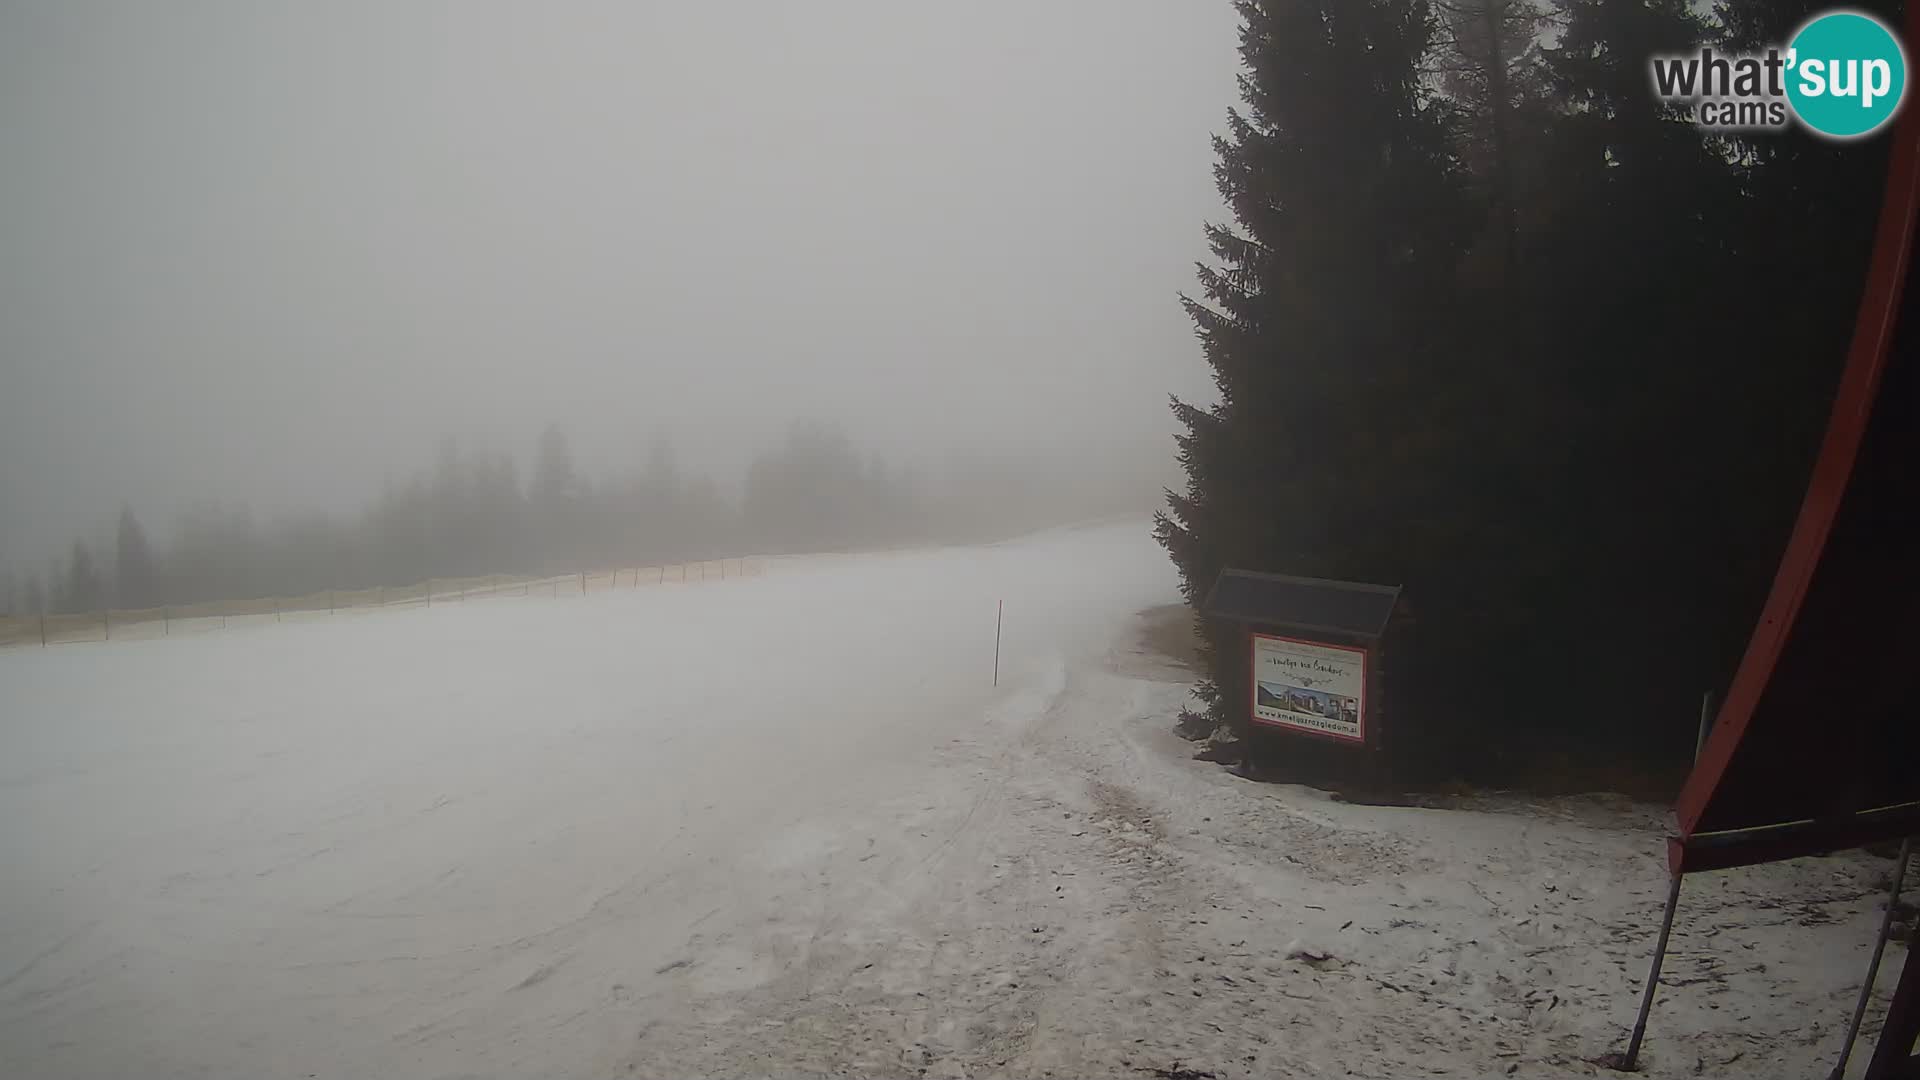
x=475 y=512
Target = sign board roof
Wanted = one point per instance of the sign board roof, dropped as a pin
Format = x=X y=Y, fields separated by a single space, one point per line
x=1348 y=608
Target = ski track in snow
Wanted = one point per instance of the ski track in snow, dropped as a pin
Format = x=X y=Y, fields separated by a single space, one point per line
x=783 y=826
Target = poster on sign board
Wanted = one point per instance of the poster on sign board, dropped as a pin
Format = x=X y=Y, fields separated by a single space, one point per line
x=1310 y=687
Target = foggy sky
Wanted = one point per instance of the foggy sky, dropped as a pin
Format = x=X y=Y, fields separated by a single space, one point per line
x=273 y=252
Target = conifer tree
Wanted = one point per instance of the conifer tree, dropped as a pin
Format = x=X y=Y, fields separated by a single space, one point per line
x=1349 y=217
x=133 y=566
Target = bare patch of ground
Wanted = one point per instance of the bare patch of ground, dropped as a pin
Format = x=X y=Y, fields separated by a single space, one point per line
x=1160 y=644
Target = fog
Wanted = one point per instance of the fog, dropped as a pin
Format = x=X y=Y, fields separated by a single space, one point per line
x=276 y=255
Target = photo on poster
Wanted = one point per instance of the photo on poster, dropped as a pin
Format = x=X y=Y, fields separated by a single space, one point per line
x=1309 y=687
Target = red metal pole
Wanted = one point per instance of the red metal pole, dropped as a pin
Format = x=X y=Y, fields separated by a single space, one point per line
x=1832 y=469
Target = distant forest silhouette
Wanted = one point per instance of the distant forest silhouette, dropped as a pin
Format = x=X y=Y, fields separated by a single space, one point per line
x=474 y=512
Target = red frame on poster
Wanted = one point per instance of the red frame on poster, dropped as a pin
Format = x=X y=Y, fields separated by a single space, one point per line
x=1253 y=687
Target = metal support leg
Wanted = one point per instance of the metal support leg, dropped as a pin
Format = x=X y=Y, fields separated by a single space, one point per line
x=1893 y=1050
x=1873 y=965
x=1629 y=1061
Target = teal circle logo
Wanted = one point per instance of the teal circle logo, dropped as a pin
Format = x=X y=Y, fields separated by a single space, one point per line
x=1846 y=75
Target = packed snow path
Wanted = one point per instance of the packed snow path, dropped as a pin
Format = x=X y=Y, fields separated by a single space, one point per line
x=785 y=826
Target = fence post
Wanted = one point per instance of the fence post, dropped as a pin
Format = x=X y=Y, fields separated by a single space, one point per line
x=166 y=625
x=329 y=601
x=276 y=609
x=106 y=617
x=43 y=628
x=583 y=583
x=429 y=592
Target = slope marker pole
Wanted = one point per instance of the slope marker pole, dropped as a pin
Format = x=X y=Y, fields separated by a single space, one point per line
x=999 y=610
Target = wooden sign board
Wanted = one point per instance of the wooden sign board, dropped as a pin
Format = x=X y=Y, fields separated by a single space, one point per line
x=1314 y=648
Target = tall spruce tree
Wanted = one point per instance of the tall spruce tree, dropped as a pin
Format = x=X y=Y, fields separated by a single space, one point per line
x=82 y=590
x=33 y=596
x=1635 y=289
x=1318 y=317
x=1485 y=60
x=134 y=576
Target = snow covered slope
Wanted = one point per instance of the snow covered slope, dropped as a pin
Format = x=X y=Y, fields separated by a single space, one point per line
x=785 y=826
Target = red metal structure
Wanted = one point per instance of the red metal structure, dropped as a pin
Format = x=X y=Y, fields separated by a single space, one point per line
x=1826 y=686
x=1817 y=745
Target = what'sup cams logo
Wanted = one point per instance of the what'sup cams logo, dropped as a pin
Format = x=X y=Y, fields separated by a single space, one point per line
x=1842 y=76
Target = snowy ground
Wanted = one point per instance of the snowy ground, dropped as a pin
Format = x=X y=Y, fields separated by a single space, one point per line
x=785 y=826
